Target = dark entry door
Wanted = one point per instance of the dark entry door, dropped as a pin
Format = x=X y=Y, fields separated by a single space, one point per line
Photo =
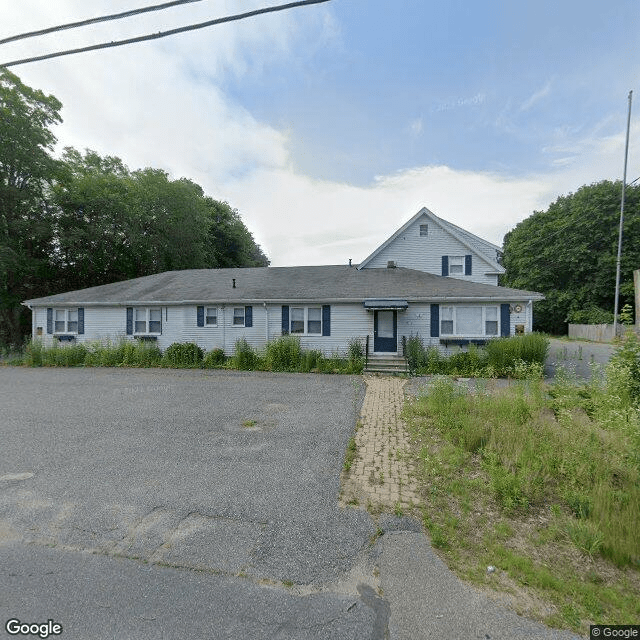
x=385 y=331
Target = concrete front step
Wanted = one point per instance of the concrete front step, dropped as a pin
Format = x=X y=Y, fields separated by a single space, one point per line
x=386 y=364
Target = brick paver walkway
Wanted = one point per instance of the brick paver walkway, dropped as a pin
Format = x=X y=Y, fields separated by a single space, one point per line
x=381 y=476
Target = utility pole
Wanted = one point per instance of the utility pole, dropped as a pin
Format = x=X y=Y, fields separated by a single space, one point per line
x=624 y=183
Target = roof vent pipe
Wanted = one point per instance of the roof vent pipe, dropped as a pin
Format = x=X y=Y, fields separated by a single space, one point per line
x=234 y=282
x=349 y=261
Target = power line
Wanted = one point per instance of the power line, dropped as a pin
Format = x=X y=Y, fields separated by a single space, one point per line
x=163 y=34
x=83 y=23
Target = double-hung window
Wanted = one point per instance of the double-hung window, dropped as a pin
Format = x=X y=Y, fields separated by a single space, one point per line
x=65 y=321
x=147 y=320
x=211 y=316
x=456 y=265
x=238 y=316
x=305 y=320
x=469 y=321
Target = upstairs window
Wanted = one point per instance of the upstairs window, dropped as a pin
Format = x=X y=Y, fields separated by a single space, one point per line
x=238 y=316
x=424 y=230
x=456 y=265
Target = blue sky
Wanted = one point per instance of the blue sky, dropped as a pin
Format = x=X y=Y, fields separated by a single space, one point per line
x=329 y=126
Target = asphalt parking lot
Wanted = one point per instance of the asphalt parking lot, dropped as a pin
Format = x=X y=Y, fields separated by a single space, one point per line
x=201 y=504
x=231 y=476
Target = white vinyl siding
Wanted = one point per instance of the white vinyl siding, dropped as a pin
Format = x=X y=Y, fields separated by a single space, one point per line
x=424 y=253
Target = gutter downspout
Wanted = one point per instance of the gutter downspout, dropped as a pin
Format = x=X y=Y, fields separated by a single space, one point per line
x=224 y=332
x=266 y=322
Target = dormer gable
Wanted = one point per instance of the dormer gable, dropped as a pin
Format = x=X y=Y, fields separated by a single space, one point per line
x=429 y=243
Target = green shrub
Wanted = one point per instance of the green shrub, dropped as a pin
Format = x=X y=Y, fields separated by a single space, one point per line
x=355 y=353
x=182 y=355
x=147 y=354
x=592 y=315
x=215 y=358
x=283 y=354
x=57 y=355
x=33 y=353
x=311 y=360
x=504 y=353
x=415 y=354
x=435 y=362
x=355 y=349
x=626 y=358
x=244 y=357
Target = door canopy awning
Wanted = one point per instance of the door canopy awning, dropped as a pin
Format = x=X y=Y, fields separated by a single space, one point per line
x=373 y=304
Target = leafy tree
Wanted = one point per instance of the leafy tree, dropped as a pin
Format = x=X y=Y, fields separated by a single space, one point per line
x=26 y=171
x=230 y=243
x=86 y=220
x=569 y=251
x=114 y=224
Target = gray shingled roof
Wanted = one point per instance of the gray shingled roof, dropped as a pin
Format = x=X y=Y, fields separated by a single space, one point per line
x=274 y=284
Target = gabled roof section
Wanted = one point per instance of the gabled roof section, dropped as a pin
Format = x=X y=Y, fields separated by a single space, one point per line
x=477 y=245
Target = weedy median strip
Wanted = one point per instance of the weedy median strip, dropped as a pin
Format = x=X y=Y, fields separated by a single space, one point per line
x=543 y=483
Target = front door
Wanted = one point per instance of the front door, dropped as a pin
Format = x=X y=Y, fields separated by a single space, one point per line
x=385 y=331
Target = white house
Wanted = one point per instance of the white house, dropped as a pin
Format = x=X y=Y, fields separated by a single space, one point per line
x=430 y=279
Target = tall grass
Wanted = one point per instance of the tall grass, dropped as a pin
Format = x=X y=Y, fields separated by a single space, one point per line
x=538 y=450
x=281 y=354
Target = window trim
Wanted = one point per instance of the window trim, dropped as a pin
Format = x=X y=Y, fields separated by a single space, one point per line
x=146 y=321
x=305 y=331
x=483 y=309
x=66 y=330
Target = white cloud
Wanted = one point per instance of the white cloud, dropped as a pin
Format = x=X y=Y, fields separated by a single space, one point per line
x=303 y=221
x=163 y=104
x=536 y=97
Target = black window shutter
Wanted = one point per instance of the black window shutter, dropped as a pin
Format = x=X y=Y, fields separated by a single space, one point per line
x=505 y=320
x=129 y=321
x=285 y=319
x=80 y=320
x=435 y=320
x=49 y=320
x=200 y=316
x=248 y=316
x=326 y=320
x=445 y=265
x=467 y=265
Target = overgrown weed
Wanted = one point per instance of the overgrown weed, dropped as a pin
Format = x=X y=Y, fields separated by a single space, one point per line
x=559 y=467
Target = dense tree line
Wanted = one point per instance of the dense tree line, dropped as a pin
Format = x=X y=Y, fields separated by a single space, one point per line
x=569 y=252
x=83 y=220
